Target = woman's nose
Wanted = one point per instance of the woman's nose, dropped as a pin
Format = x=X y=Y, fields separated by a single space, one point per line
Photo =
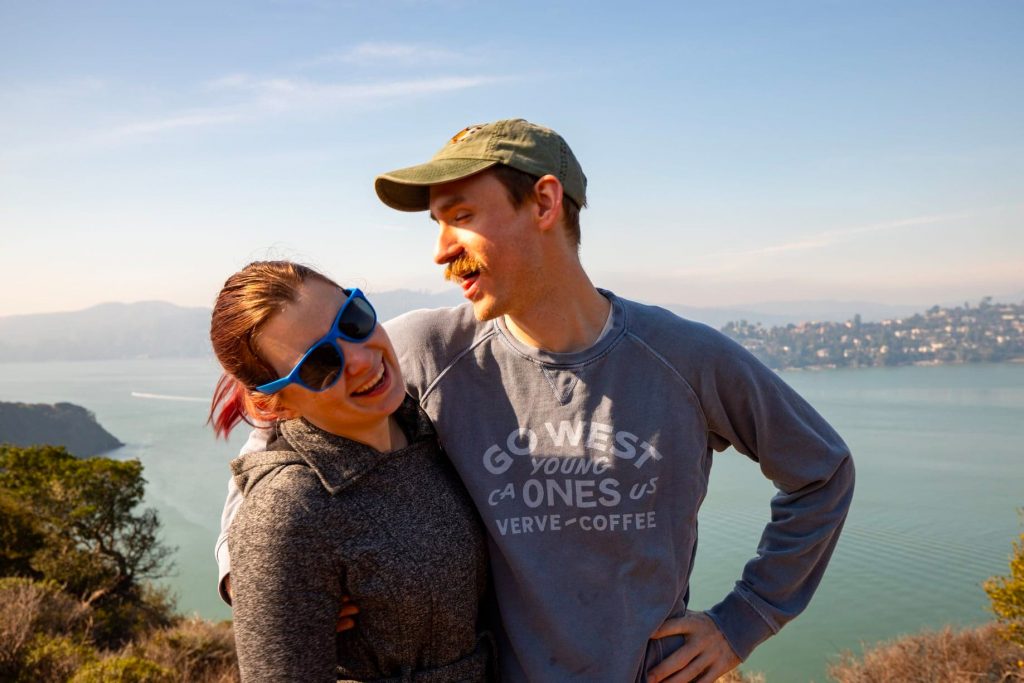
x=359 y=358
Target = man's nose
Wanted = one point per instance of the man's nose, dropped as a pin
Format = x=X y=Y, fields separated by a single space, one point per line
x=447 y=246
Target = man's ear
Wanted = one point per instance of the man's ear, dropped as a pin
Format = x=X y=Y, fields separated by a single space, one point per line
x=547 y=195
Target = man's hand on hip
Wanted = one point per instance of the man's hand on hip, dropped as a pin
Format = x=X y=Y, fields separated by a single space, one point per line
x=704 y=657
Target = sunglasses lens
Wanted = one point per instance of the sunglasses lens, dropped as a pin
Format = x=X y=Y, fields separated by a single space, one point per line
x=321 y=367
x=358 y=320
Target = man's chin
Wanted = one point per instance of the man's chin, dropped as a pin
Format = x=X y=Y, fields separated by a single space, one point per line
x=485 y=309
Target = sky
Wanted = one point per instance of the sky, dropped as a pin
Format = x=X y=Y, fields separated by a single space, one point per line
x=737 y=152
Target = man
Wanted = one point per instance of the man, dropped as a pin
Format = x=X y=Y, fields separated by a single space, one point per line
x=583 y=425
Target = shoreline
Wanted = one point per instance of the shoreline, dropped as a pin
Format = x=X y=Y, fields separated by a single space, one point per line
x=916 y=363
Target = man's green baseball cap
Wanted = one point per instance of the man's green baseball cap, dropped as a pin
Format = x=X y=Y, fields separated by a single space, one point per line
x=514 y=142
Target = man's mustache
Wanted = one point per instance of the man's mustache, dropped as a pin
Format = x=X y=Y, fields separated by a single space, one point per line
x=461 y=266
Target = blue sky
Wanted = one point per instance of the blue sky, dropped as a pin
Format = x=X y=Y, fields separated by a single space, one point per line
x=737 y=152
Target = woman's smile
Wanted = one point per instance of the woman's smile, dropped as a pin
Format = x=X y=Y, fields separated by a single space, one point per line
x=376 y=384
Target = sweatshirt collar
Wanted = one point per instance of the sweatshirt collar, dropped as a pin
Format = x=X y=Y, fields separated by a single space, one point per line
x=605 y=342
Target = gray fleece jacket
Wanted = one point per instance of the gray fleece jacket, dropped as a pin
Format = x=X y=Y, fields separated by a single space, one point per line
x=324 y=516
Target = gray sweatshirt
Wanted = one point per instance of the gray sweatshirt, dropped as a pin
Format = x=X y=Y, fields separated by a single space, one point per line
x=325 y=516
x=589 y=468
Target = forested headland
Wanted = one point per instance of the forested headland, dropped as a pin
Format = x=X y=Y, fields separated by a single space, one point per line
x=60 y=424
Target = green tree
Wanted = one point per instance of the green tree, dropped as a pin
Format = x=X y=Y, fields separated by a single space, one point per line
x=19 y=537
x=1007 y=594
x=78 y=525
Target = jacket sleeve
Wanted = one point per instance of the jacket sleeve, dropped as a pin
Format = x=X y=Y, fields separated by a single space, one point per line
x=752 y=409
x=257 y=441
x=287 y=591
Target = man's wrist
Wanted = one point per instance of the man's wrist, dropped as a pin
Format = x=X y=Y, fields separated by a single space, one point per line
x=743 y=626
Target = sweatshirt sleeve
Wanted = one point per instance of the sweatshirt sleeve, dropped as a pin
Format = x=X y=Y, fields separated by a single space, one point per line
x=287 y=591
x=749 y=407
x=257 y=441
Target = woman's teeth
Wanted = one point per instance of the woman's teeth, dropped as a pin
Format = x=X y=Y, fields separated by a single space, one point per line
x=372 y=382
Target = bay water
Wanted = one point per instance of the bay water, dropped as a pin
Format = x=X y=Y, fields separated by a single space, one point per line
x=940 y=475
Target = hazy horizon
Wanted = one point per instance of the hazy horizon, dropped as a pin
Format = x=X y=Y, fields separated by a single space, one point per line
x=736 y=153
x=763 y=306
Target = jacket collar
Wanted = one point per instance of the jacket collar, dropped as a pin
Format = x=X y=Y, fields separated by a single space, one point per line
x=337 y=461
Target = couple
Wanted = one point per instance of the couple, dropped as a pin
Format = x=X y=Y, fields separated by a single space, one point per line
x=581 y=426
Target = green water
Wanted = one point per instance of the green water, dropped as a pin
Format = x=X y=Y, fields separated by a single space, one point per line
x=940 y=474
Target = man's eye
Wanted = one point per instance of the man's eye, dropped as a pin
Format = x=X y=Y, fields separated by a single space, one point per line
x=461 y=217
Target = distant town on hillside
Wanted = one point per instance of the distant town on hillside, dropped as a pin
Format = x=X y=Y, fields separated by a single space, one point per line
x=988 y=332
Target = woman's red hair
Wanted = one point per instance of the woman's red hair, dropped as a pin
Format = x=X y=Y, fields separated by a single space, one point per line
x=249 y=298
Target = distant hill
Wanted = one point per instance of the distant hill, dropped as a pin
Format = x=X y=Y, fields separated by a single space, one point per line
x=61 y=424
x=157 y=329
x=149 y=329
x=397 y=301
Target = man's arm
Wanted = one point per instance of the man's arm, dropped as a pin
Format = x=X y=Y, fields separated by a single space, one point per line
x=812 y=469
x=750 y=408
x=718 y=640
x=257 y=441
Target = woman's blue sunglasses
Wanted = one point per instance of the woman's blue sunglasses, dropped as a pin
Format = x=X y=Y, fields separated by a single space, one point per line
x=320 y=367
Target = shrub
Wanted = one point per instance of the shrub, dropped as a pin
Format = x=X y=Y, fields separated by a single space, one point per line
x=77 y=522
x=28 y=608
x=122 y=618
x=94 y=542
x=1007 y=594
x=195 y=649
x=969 y=656
x=53 y=659
x=123 y=670
x=19 y=537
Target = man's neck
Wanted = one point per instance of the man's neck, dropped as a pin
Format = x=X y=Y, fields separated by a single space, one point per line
x=570 y=319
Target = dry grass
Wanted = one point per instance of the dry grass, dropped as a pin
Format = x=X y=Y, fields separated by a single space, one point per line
x=29 y=608
x=45 y=638
x=740 y=677
x=195 y=650
x=970 y=656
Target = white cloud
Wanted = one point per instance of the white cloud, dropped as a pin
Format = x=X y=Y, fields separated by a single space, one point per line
x=185 y=120
x=725 y=263
x=387 y=53
x=830 y=237
x=287 y=93
x=263 y=97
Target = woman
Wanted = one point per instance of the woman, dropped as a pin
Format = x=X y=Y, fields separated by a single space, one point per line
x=352 y=498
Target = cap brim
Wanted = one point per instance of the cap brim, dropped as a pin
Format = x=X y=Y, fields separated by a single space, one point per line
x=408 y=189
